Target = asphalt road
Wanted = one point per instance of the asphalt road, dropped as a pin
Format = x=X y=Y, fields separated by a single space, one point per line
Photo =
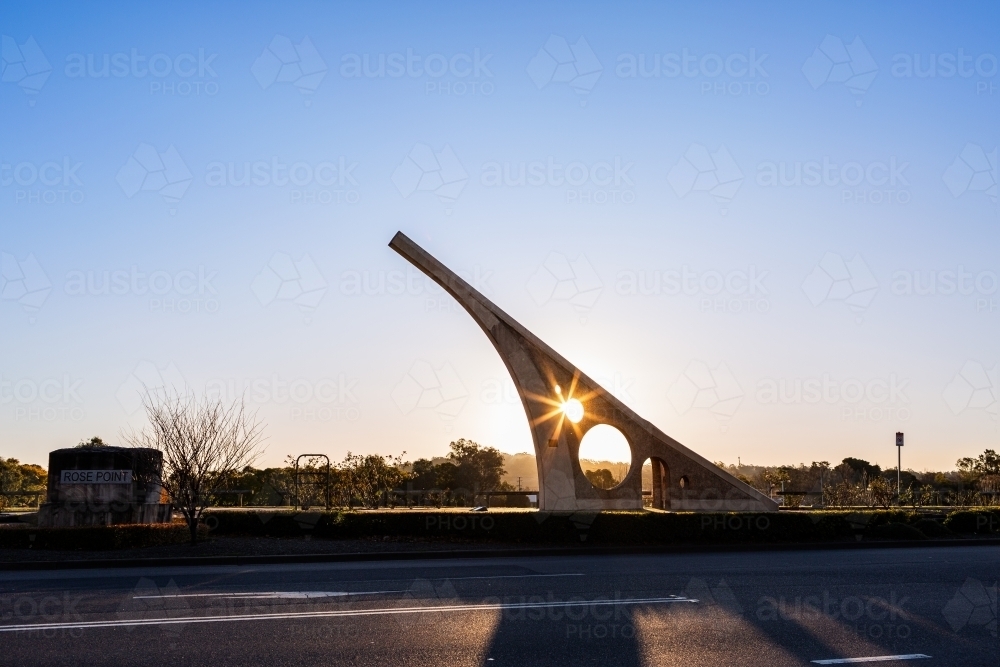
x=784 y=608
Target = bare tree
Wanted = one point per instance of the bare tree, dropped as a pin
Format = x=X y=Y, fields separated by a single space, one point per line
x=203 y=442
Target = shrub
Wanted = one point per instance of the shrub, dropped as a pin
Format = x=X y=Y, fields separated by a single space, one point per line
x=971 y=522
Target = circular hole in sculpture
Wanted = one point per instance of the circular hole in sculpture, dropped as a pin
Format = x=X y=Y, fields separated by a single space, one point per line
x=605 y=456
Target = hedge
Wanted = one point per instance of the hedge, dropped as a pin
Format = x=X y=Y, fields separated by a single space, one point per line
x=974 y=522
x=96 y=538
x=525 y=527
x=622 y=527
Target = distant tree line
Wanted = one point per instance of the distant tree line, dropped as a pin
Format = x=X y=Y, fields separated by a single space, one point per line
x=856 y=482
x=372 y=480
x=470 y=470
x=602 y=478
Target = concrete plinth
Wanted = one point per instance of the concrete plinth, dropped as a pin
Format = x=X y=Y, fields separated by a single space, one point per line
x=98 y=486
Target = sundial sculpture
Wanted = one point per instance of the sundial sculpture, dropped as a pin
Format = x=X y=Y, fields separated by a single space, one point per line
x=562 y=404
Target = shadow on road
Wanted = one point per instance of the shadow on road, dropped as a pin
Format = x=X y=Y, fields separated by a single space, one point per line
x=718 y=628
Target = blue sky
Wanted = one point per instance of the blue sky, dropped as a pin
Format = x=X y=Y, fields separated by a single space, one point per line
x=660 y=238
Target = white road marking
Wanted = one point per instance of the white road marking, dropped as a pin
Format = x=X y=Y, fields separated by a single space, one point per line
x=320 y=594
x=877 y=658
x=512 y=576
x=270 y=595
x=31 y=627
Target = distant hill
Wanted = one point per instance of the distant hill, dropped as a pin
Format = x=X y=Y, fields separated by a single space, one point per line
x=523 y=466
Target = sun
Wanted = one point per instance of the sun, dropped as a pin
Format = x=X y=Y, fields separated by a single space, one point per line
x=566 y=407
x=573 y=409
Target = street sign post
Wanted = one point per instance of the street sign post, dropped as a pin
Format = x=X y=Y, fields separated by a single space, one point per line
x=899 y=463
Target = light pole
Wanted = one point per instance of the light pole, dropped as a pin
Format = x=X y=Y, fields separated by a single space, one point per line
x=899 y=464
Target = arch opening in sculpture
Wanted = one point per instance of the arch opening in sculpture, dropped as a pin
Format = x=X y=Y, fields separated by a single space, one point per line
x=603 y=442
x=660 y=483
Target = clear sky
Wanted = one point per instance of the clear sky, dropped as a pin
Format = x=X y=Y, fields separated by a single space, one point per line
x=772 y=230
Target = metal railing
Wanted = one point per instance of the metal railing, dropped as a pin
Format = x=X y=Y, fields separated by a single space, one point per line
x=312 y=471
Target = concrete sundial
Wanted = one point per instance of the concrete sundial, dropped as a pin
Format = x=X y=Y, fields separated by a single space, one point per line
x=562 y=404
